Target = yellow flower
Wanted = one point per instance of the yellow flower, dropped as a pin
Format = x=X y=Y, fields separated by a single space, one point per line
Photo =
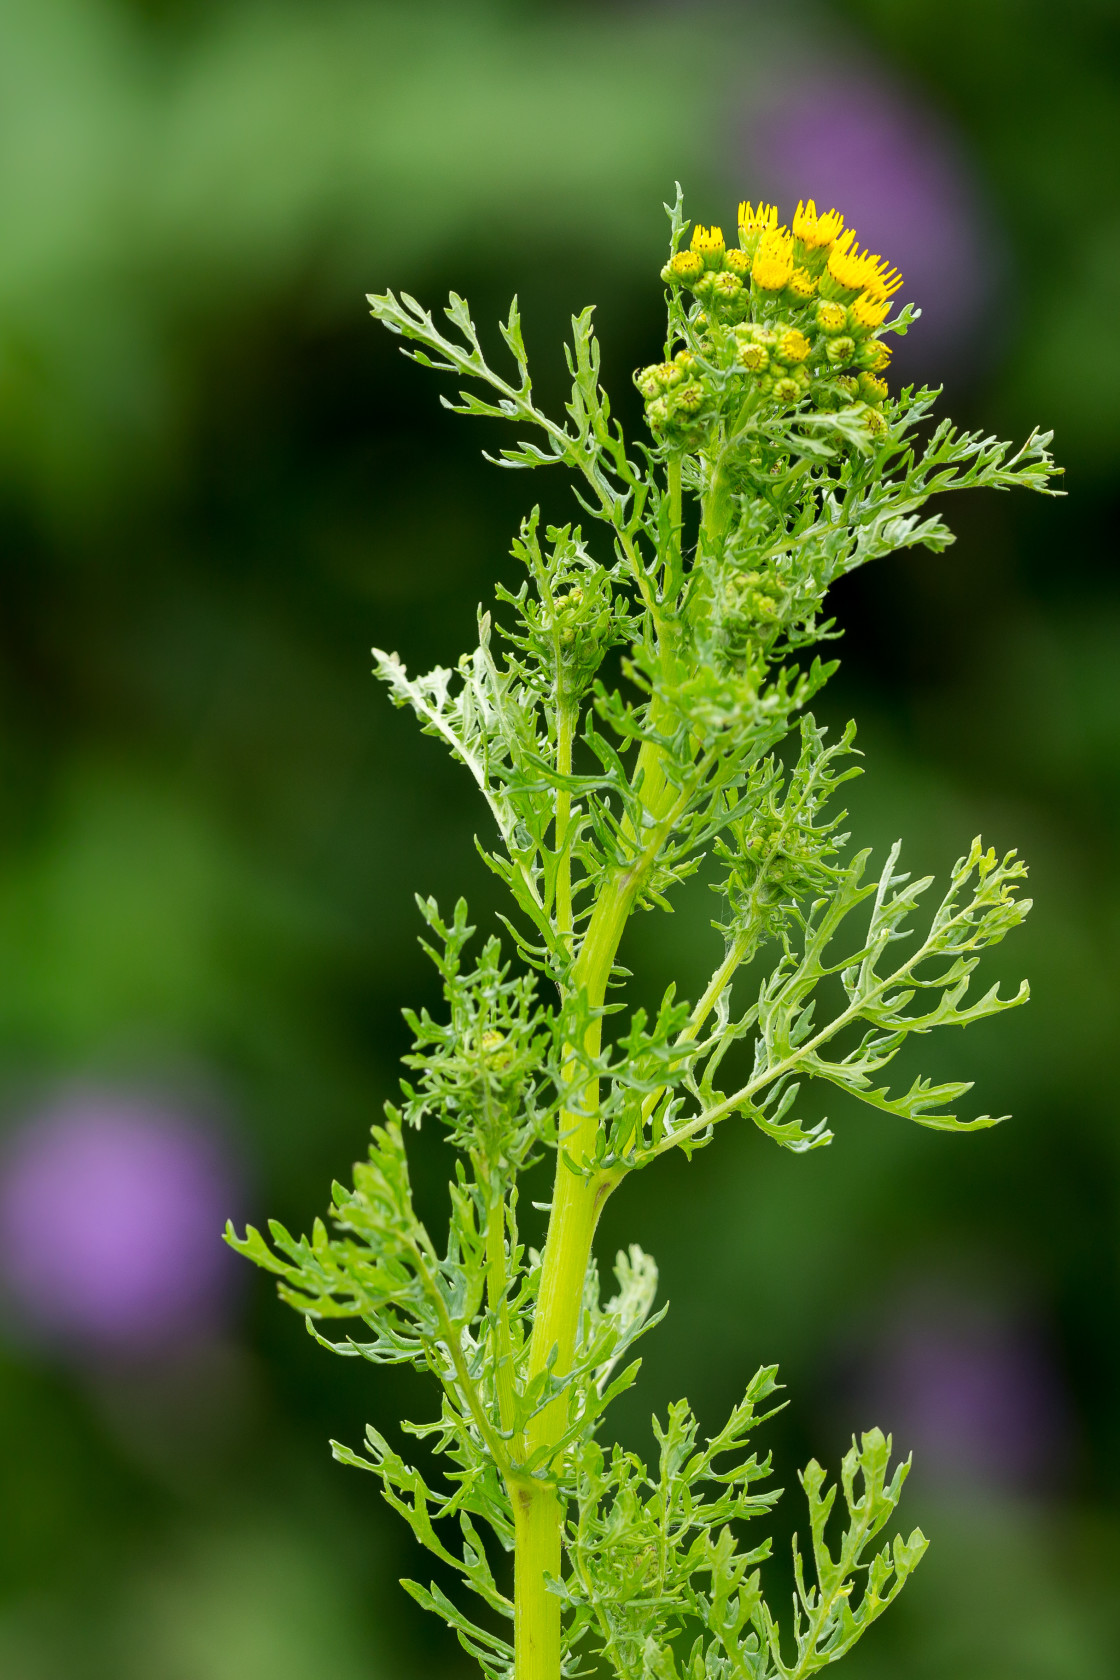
x=857 y=270
x=869 y=311
x=773 y=261
x=686 y=265
x=793 y=346
x=758 y=220
x=802 y=284
x=815 y=231
x=707 y=243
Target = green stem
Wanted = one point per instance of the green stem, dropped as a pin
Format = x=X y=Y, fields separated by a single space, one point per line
x=674 y=568
x=565 y=730
x=577 y=1201
x=536 y=1613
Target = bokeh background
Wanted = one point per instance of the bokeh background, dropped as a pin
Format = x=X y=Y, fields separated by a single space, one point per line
x=218 y=486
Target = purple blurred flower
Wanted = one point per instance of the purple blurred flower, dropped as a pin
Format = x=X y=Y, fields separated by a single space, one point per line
x=975 y=1396
x=111 y=1210
x=901 y=180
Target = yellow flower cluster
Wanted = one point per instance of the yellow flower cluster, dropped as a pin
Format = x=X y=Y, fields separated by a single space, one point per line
x=797 y=309
x=816 y=255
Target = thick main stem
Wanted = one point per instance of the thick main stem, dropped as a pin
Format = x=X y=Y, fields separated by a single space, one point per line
x=577 y=1202
x=536 y=1615
x=565 y=729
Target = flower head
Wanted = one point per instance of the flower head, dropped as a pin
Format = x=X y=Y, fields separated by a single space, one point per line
x=803 y=285
x=793 y=346
x=816 y=231
x=687 y=265
x=869 y=311
x=874 y=355
x=855 y=270
x=707 y=243
x=773 y=260
x=754 y=221
x=832 y=317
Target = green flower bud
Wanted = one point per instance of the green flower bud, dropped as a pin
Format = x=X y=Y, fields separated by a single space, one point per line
x=686 y=266
x=786 y=390
x=753 y=357
x=873 y=355
x=659 y=377
x=831 y=317
x=840 y=350
x=725 y=288
x=689 y=399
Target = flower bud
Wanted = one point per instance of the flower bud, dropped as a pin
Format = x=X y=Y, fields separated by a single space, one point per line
x=802 y=286
x=725 y=288
x=831 y=317
x=873 y=355
x=786 y=390
x=688 y=399
x=687 y=266
x=737 y=262
x=657 y=414
x=752 y=356
x=872 y=390
x=840 y=350
x=686 y=361
x=848 y=384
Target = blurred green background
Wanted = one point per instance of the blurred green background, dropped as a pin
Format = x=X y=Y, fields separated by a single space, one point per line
x=218 y=486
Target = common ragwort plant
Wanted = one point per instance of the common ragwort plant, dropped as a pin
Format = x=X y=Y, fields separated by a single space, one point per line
x=778 y=461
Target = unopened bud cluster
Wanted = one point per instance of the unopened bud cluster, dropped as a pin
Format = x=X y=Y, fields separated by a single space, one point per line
x=791 y=316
